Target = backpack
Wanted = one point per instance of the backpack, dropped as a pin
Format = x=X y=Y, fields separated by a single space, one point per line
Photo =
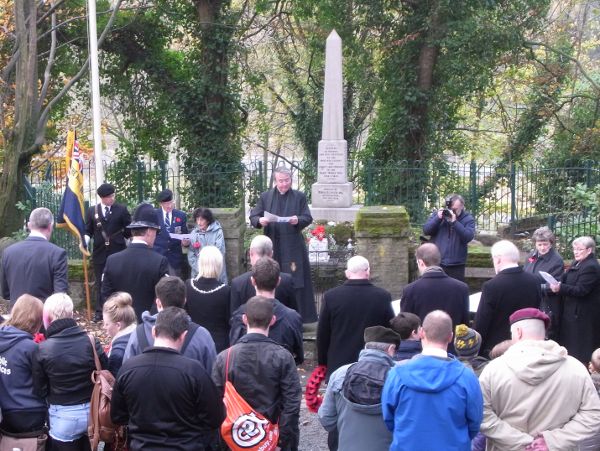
x=143 y=339
x=245 y=429
x=364 y=382
x=100 y=425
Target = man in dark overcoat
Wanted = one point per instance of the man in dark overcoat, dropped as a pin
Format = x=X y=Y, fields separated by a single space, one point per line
x=34 y=266
x=106 y=223
x=346 y=311
x=242 y=288
x=138 y=268
x=435 y=290
x=510 y=290
x=289 y=246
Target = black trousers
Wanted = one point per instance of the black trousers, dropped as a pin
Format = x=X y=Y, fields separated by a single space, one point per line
x=455 y=271
x=98 y=270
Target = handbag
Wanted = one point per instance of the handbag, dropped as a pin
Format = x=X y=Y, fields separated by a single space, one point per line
x=245 y=429
x=28 y=441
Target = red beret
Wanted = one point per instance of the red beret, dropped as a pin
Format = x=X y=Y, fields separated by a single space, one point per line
x=529 y=313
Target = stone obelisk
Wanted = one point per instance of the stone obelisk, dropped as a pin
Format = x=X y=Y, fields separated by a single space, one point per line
x=332 y=189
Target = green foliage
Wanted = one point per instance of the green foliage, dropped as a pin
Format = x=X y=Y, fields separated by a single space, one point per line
x=170 y=70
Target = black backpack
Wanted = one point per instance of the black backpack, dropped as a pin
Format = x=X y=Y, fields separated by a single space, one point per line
x=364 y=382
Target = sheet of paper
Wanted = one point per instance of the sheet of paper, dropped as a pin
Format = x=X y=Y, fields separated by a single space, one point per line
x=274 y=218
x=548 y=277
x=396 y=306
x=180 y=236
x=474 y=302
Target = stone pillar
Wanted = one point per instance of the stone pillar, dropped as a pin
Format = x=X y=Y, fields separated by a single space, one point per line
x=382 y=238
x=233 y=221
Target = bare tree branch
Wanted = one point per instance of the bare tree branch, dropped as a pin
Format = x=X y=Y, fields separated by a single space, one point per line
x=49 y=64
x=41 y=123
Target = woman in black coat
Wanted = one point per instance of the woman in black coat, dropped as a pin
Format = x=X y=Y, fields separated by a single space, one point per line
x=62 y=370
x=579 y=291
x=545 y=258
x=208 y=299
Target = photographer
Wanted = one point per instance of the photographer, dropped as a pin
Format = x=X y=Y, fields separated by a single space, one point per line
x=451 y=228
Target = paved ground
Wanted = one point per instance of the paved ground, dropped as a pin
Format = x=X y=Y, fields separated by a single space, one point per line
x=312 y=435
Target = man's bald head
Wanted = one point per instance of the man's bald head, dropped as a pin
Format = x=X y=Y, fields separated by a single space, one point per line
x=437 y=328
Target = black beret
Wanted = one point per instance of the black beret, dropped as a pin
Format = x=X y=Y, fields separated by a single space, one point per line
x=381 y=334
x=106 y=189
x=529 y=313
x=165 y=195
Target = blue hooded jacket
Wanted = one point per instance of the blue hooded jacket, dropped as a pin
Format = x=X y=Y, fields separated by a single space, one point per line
x=432 y=403
x=17 y=349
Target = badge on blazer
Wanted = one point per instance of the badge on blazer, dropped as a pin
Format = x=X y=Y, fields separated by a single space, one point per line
x=293 y=266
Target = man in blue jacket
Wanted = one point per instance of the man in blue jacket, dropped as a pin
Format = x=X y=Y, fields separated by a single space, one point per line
x=433 y=401
x=451 y=228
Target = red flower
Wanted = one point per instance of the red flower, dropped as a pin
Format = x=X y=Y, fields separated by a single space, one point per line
x=177 y=219
x=532 y=259
x=319 y=232
x=38 y=338
x=197 y=245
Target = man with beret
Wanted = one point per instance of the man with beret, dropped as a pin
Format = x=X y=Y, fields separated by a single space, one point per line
x=352 y=404
x=138 y=268
x=107 y=224
x=536 y=396
x=171 y=221
x=433 y=401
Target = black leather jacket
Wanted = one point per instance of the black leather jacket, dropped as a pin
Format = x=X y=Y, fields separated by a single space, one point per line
x=264 y=374
x=64 y=363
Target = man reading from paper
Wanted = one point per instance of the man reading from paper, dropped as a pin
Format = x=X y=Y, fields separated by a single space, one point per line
x=289 y=247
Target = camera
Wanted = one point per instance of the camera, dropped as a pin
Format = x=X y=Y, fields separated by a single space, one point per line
x=447 y=212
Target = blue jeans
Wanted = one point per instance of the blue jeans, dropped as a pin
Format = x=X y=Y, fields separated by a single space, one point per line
x=68 y=423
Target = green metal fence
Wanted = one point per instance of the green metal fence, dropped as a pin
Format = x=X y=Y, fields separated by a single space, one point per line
x=514 y=196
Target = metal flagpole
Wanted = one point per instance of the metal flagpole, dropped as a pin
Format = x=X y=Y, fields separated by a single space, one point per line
x=95 y=85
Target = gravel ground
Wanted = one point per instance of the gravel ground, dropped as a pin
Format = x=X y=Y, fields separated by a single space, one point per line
x=312 y=436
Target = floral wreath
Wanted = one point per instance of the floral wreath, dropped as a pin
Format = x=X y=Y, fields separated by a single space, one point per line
x=319 y=232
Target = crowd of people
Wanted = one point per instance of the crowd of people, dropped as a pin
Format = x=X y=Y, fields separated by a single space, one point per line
x=426 y=378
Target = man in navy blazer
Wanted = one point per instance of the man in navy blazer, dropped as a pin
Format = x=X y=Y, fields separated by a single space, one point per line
x=138 y=268
x=171 y=221
x=35 y=266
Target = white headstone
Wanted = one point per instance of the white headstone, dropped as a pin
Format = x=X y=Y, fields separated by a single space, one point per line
x=332 y=188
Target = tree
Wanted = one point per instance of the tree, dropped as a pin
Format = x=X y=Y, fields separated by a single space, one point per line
x=39 y=51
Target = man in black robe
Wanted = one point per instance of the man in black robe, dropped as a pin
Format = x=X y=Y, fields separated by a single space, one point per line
x=289 y=247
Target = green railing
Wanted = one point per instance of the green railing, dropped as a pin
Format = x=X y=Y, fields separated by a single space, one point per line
x=514 y=196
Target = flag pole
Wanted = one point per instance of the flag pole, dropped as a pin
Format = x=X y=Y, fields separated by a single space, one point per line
x=95 y=85
x=87 y=288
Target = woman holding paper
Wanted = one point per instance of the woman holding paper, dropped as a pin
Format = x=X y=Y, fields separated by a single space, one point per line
x=544 y=258
x=208 y=232
x=579 y=292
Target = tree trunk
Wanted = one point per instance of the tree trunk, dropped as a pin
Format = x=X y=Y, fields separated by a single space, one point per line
x=23 y=133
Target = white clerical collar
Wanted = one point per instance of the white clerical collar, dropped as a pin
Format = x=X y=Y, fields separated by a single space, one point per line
x=138 y=241
x=38 y=234
x=435 y=352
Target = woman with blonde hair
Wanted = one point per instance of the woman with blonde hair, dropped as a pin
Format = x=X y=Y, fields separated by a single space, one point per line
x=62 y=371
x=119 y=322
x=208 y=298
x=23 y=410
